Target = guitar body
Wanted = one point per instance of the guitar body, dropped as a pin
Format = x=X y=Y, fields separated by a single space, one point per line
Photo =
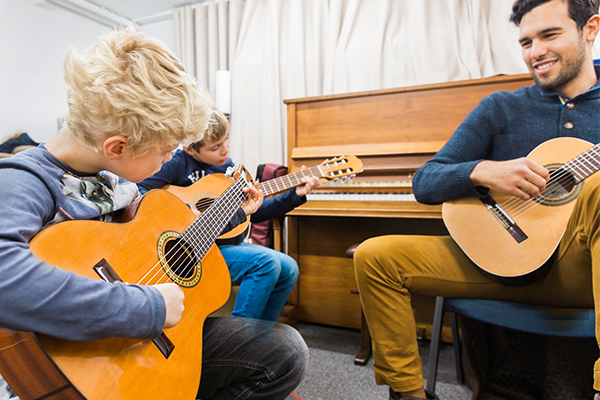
x=119 y=368
x=488 y=243
x=201 y=194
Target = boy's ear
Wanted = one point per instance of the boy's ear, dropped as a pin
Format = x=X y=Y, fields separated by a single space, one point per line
x=114 y=147
x=188 y=150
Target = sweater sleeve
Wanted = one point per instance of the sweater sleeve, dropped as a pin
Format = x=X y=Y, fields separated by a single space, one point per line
x=169 y=174
x=446 y=176
x=40 y=297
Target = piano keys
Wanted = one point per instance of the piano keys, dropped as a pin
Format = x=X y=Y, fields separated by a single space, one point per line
x=333 y=196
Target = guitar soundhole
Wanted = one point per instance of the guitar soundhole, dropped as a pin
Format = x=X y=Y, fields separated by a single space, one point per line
x=562 y=188
x=559 y=187
x=178 y=260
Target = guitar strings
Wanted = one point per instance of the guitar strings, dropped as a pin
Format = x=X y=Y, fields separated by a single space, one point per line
x=561 y=177
x=267 y=186
x=571 y=172
x=196 y=234
x=168 y=255
x=196 y=237
x=515 y=200
x=524 y=206
x=572 y=165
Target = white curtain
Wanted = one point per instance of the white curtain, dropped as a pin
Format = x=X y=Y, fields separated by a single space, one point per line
x=286 y=49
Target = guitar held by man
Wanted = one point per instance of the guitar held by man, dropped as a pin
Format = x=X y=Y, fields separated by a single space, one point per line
x=511 y=237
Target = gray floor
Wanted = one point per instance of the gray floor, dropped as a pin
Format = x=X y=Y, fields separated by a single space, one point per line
x=333 y=375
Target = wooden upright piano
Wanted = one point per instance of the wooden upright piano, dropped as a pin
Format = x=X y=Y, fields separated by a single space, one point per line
x=393 y=132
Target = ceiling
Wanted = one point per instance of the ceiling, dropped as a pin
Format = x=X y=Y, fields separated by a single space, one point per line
x=133 y=9
x=107 y=11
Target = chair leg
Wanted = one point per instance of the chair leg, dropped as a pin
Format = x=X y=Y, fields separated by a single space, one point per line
x=457 y=350
x=434 y=350
x=362 y=358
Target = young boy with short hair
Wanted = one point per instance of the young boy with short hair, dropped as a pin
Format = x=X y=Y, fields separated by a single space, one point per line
x=266 y=277
x=130 y=104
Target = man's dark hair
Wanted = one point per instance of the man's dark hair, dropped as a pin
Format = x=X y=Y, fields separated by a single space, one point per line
x=580 y=11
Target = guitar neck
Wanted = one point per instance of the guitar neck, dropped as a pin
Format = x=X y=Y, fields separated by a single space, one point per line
x=203 y=232
x=585 y=164
x=283 y=183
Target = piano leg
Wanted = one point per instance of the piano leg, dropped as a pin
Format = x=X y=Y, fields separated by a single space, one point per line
x=363 y=356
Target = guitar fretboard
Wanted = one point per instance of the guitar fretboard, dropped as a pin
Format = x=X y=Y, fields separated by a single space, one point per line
x=289 y=181
x=585 y=164
x=202 y=233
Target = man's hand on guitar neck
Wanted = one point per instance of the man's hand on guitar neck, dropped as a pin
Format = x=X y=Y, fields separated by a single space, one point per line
x=523 y=177
x=173 y=296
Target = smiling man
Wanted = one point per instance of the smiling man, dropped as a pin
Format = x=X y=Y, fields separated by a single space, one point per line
x=488 y=151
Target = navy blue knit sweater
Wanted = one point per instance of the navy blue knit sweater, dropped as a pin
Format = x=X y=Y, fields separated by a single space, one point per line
x=504 y=126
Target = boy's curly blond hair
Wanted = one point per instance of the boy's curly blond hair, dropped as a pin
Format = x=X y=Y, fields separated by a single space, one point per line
x=131 y=85
x=217 y=128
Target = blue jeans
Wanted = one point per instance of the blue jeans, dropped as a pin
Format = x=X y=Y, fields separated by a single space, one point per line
x=250 y=359
x=266 y=278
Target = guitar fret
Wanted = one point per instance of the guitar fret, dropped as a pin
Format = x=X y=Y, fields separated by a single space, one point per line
x=205 y=229
x=279 y=184
x=594 y=159
x=585 y=164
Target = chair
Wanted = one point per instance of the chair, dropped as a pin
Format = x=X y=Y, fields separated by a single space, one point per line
x=565 y=322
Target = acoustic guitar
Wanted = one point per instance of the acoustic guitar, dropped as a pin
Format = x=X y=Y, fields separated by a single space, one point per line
x=512 y=238
x=164 y=242
x=202 y=193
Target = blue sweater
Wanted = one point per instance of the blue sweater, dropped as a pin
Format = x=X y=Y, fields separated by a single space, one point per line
x=39 y=190
x=504 y=126
x=183 y=170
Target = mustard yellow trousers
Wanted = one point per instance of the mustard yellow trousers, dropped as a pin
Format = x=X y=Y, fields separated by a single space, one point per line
x=390 y=268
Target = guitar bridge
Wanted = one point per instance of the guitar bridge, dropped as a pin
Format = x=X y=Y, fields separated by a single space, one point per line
x=108 y=274
x=504 y=218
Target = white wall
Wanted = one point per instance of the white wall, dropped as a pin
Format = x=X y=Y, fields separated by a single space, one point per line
x=33 y=44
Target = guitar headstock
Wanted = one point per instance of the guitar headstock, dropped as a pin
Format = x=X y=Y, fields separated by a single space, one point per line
x=342 y=168
x=239 y=171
